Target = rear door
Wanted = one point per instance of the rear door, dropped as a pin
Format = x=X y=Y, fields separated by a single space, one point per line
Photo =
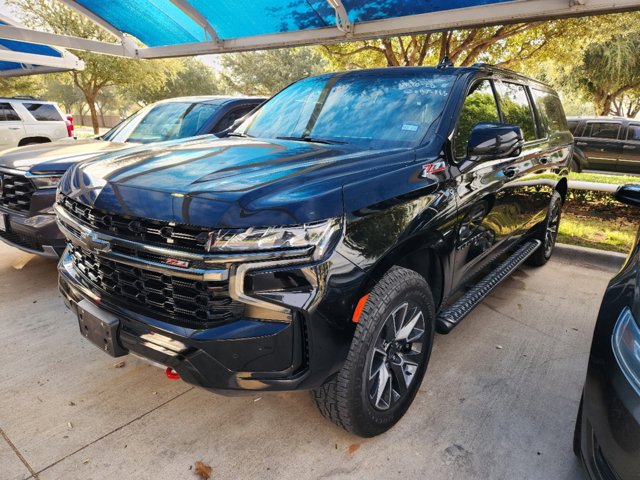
x=601 y=143
x=46 y=121
x=11 y=127
x=630 y=158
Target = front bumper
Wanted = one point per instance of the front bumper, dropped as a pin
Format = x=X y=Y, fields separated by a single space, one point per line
x=248 y=354
x=610 y=436
x=37 y=234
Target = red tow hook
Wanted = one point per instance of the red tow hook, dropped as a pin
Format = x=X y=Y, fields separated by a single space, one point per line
x=172 y=374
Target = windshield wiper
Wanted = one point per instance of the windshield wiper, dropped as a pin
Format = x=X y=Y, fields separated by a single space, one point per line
x=313 y=140
x=237 y=134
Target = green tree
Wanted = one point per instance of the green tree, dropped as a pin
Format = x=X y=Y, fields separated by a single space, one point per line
x=101 y=71
x=609 y=71
x=60 y=88
x=266 y=72
x=192 y=78
x=30 y=85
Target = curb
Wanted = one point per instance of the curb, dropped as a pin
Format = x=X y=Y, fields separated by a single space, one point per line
x=589 y=257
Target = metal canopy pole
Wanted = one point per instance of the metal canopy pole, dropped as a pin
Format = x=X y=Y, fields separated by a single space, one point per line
x=197 y=17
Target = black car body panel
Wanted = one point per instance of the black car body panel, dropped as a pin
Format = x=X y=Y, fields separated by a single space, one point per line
x=142 y=223
x=608 y=436
x=608 y=144
x=31 y=225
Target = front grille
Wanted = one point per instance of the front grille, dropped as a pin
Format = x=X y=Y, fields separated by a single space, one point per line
x=179 y=237
x=24 y=241
x=177 y=300
x=16 y=191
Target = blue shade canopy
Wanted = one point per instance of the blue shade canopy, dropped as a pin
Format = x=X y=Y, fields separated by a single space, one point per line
x=163 y=22
x=170 y=28
x=25 y=58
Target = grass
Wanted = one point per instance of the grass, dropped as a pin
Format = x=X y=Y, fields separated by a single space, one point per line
x=615 y=234
x=603 y=178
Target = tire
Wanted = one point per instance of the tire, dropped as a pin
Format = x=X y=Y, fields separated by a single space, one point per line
x=577 y=433
x=574 y=166
x=548 y=232
x=380 y=378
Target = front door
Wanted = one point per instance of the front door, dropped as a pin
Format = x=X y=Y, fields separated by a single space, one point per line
x=487 y=214
x=600 y=142
x=11 y=127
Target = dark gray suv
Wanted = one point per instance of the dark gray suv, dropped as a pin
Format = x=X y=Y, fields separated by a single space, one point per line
x=609 y=144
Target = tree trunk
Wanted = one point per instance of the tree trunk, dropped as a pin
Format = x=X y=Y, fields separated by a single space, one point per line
x=91 y=102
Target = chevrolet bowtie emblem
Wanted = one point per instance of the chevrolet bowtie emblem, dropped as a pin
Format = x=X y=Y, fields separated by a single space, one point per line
x=93 y=242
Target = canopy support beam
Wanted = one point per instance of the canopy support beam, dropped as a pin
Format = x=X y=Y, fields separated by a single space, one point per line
x=101 y=22
x=342 y=17
x=197 y=17
x=64 y=62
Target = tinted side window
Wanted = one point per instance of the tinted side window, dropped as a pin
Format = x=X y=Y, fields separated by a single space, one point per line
x=43 y=112
x=516 y=109
x=8 y=114
x=634 y=132
x=603 y=130
x=573 y=125
x=231 y=117
x=551 y=111
x=479 y=106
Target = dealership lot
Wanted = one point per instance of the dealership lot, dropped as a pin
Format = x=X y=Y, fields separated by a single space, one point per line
x=499 y=399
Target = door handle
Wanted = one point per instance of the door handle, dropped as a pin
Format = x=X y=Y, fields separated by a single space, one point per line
x=510 y=172
x=581 y=144
x=14 y=128
x=629 y=147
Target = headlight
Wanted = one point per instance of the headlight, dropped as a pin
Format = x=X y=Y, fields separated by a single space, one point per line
x=45 y=181
x=626 y=347
x=313 y=236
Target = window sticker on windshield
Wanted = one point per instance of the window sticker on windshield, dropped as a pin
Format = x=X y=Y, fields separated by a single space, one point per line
x=409 y=127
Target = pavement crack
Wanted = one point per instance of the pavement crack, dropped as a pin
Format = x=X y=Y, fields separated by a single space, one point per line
x=19 y=455
x=542 y=332
x=139 y=417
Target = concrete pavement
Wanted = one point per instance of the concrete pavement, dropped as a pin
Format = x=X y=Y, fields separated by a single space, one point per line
x=498 y=402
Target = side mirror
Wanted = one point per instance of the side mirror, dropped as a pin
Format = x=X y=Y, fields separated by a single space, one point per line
x=629 y=194
x=492 y=141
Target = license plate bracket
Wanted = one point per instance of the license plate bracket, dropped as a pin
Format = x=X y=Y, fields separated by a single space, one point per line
x=100 y=328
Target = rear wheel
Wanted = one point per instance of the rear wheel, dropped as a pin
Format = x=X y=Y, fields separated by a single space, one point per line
x=388 y=357
x=548 y=232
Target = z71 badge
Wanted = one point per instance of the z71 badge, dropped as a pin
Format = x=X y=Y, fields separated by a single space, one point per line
x=432 y=168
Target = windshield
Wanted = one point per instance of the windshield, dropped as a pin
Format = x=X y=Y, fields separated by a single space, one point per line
x=367 y=111
x=163 y=121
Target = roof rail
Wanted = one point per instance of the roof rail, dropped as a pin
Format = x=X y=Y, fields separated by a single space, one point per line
x=444 y=63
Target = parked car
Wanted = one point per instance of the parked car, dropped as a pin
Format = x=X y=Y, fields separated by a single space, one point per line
x=607 y=433
x=610 y=144
x=324 y=240
x=27 y=120
x=29 y=175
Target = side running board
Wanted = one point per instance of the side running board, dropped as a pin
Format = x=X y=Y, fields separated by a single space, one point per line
x=454 y=313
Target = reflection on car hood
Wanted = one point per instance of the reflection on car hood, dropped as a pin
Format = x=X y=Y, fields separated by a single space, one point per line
x=56 y=156
x=226 y=182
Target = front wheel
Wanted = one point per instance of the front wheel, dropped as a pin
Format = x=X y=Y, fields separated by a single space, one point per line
x=548 y=232
x=387 y=359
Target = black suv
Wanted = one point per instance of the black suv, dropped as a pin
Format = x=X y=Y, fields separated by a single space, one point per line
x=323 y=242
x=609 y=144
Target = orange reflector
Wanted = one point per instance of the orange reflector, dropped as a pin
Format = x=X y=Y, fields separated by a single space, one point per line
x=359 y=307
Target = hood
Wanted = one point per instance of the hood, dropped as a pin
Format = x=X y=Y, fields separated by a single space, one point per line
x=56 y=156
x=232 y=182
